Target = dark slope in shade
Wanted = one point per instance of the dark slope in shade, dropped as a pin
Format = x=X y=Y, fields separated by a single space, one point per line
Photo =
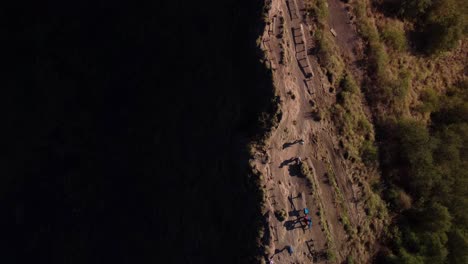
x=126 y=131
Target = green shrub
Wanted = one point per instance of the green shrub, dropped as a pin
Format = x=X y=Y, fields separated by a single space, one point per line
x=365 y=26
x=331 y=256
x=404 y=77
x=327 y=55
x=458 y=246
x=399 y=199
x=364 y=126
x=430 y=101
x=369 y=153
x=306 y=172
x=318 y=9
x=394 y=36
x=413 y=9
x=280 y=215
x=443 y=23
x=348 y=84
x=379 y=62
x=324 y=48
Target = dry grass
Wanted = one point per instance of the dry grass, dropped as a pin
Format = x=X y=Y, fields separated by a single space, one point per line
x=341 y=202
x=349 y=115
x=308 y=173
x=400 y=76
x=350 y=118
x=328 y=55
x=317 y=9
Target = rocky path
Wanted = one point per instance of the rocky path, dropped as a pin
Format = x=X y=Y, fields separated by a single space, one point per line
x=306 y=100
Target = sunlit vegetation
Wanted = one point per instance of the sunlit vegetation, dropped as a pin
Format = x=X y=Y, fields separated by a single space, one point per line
x=440 y=23
x=430 y=163
x=280 y=215
x=421 y=113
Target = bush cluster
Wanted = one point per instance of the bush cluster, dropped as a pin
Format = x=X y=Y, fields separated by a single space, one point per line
x=431 y=165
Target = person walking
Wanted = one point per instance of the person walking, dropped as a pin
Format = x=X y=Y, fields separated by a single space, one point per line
x=290 y=250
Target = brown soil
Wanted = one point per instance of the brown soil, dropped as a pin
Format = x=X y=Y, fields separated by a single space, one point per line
x=304 y=89
x=347 y=39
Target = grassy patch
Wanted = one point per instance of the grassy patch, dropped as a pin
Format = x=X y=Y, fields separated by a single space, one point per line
x=331 y=255
x=326 y=49
x=317 y=9
x=430 y=101
x=328 y=56
x=341 y=202
x=393 y=33
x=407 y=86
x=308 y=173
x=369 y=153
x=348 y=115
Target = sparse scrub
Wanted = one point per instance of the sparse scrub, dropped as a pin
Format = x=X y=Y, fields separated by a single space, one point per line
x=318 y=9
x=393 y=33
x=331 y=255
x=261 y=232
x=365 y=25
x=262 y=260
x=326 y=49
x=369 y=153
x=430 y=160
x=348 y=84
x=399 y=199
x=379 y=62
x=281 y=215
x=377 y=207
x=441 y=23
x=268 y=121
x=307 y=173
x=347 y=226
x=328 y=55
x=390 y=84
x=341 y=202
x=419 y=160
x=430 y=101
x=258 y=41
x=349 y=117
x=282 y=55
x=403 y=87
x=364 y=127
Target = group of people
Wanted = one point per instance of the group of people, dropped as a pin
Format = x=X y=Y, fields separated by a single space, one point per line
x=307 y=218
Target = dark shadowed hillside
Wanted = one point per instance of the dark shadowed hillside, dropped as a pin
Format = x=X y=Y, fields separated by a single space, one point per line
x=127 y=127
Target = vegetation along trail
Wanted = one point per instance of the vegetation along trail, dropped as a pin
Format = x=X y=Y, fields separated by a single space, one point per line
x=303 y=163
x=366 y=161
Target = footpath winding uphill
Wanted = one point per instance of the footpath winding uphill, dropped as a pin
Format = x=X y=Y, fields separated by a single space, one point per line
x=328 y=191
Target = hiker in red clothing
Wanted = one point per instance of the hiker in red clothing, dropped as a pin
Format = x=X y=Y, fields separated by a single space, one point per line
x=308 y=221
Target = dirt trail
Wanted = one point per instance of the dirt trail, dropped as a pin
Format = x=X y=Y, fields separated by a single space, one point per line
x=340 y=21
x=306 y=96
x=347 y=39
